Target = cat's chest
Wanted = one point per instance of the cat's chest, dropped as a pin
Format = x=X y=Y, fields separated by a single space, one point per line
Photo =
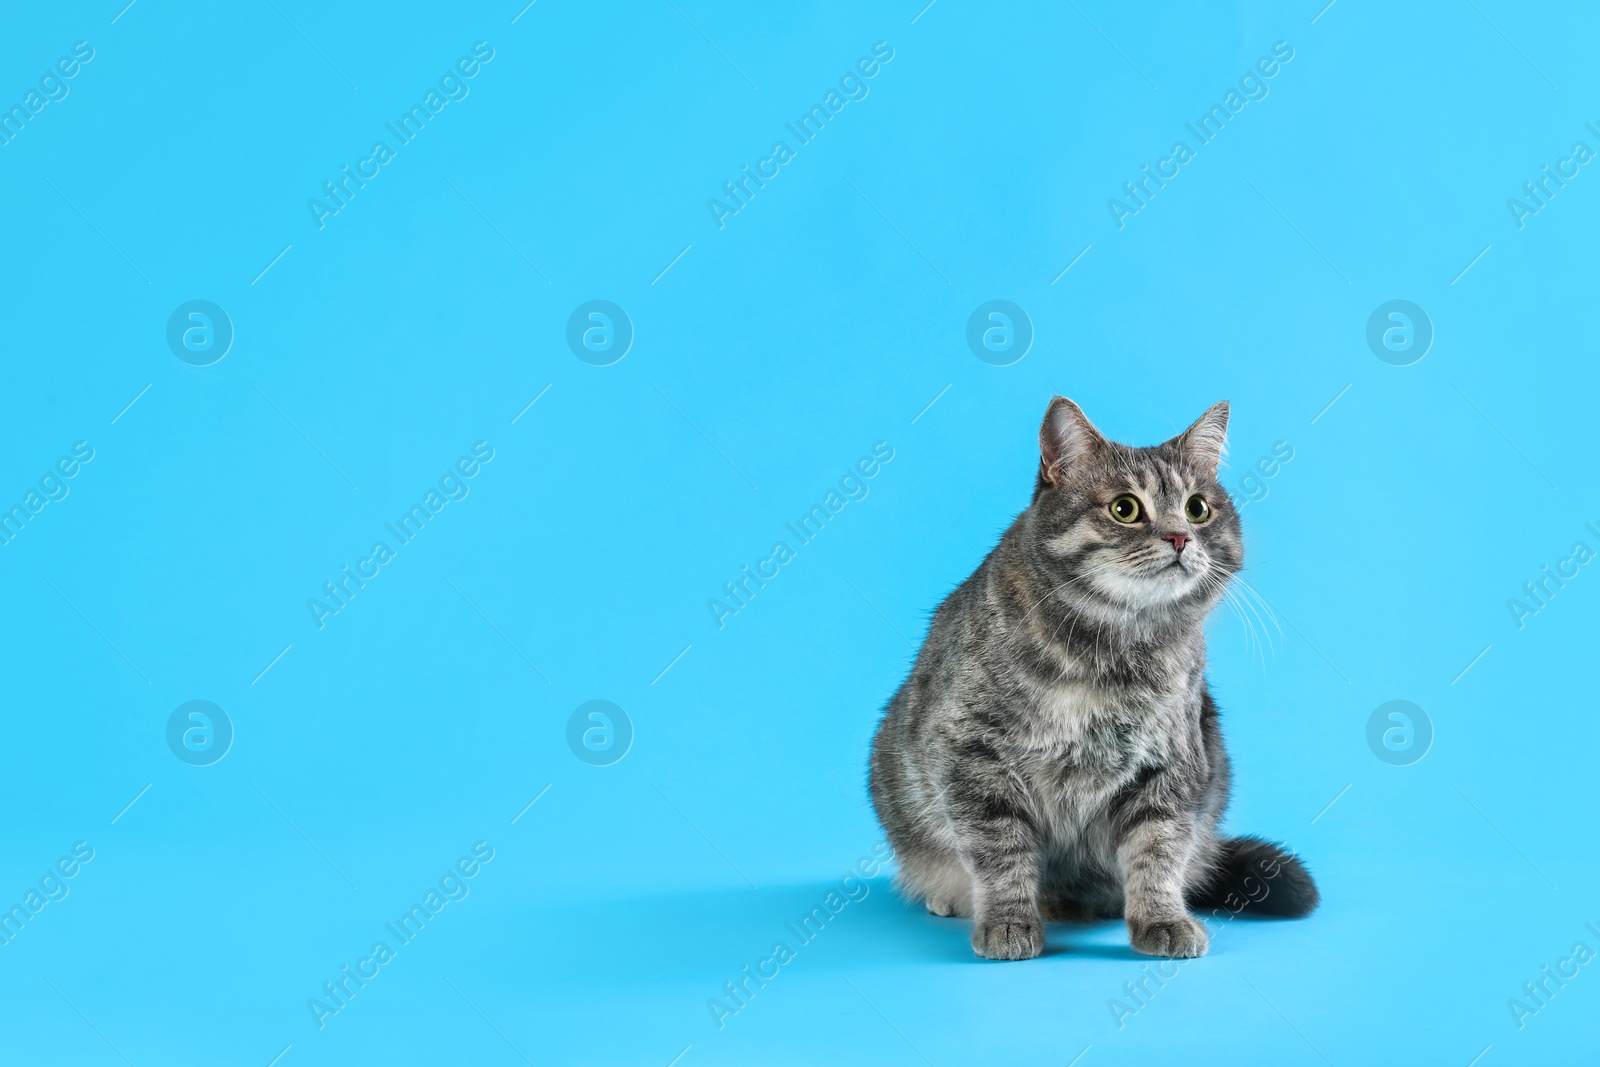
x=1098 y=735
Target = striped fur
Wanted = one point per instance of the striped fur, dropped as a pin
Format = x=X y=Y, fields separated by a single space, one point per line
x=1055 y=752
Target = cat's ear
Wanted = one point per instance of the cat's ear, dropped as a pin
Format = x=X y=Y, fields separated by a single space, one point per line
x=1206 y=442
x=1066 y=438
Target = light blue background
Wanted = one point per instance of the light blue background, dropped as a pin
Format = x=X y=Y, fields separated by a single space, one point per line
x=821 y=319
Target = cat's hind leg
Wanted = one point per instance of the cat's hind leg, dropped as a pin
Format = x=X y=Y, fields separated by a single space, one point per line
x=936 y=877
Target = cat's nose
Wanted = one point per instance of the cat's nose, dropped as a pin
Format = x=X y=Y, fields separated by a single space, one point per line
x=1178 y=540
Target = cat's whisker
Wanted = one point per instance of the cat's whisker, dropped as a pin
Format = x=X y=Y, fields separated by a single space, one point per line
x=1258 y=643
x=1245 y=585
x=1254 y=645
x=1258 y=604
x=1218 y=583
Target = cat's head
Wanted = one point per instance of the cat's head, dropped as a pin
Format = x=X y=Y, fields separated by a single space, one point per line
x=1134 y=529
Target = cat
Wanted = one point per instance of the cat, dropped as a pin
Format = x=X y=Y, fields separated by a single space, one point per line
x=1055 y=752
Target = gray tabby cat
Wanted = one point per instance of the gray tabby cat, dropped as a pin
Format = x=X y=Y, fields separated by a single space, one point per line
x=1055 y=753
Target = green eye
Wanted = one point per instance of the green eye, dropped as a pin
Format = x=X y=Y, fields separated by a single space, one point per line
x=1126 y=508
x=1197 y=509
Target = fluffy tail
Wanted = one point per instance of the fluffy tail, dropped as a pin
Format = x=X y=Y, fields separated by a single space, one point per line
x=1257 y=877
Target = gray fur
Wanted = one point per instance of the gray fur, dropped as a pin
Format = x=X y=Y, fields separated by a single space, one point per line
x=1055 y=752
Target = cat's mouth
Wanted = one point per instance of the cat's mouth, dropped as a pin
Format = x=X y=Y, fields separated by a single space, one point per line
x=1152 y=581
x=1172 y=577
x=1172 y=566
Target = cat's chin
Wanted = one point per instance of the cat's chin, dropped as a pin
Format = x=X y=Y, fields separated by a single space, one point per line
x=1157 y=587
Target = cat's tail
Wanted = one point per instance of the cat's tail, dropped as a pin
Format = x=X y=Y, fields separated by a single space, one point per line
x=1257 y=877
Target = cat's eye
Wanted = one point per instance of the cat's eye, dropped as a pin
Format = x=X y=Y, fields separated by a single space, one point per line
x=1126 y=508
x=1197 y=509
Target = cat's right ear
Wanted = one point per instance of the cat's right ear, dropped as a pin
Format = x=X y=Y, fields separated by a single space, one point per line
x=1066 y=438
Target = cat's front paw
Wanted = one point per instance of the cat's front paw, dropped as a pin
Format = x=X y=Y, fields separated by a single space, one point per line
x=1181 y=938
x=1010 y=938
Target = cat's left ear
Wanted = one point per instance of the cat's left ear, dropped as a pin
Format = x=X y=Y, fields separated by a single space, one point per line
x=1066 y=438
x=1206 y=442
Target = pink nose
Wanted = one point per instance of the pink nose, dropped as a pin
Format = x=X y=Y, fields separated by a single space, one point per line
x=1178 y=540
